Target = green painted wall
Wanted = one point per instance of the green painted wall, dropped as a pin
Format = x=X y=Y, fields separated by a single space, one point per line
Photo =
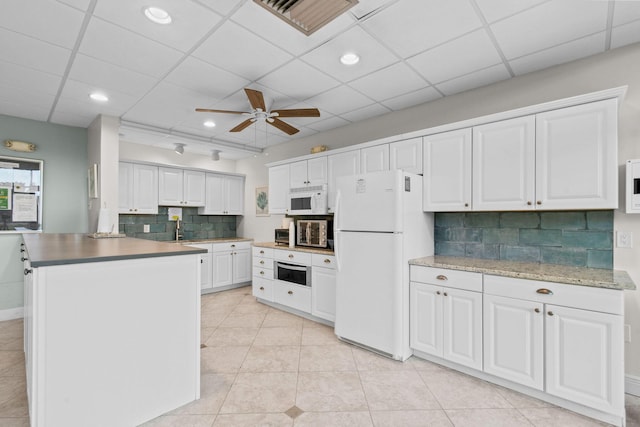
x=64 y=151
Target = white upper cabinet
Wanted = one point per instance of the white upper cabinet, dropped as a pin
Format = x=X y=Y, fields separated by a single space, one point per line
x=308 y=172
x=224 y=195
x=447 y=171
x=178 y=187
x=279 y=186
x=576 y=157
x=342 y=164
x=406 y=155
x=374 y=159
x=138 y=189
x=504 y=165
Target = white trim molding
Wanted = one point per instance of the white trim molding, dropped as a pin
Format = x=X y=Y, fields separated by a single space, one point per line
x=632 y=385
x=11 y=313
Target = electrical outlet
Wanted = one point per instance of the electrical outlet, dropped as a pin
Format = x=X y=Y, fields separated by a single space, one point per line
x=624 y=239
x=146 y=228
x=627 y=333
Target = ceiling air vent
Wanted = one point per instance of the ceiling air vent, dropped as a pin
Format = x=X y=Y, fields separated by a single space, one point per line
x=307 y=15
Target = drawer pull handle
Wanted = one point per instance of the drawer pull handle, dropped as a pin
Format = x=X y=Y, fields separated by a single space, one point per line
x=27 y=271
x=537 y=310
x=290 y=292
x=262 y=288
x=550 y=313
x=327 y=261
x=442 y=277
x=290 y=256
x=23 y=259
x=544 y=291
x=437 y=292
x=233 y=246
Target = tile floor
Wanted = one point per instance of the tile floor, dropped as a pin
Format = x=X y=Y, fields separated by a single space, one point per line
x=264 y=367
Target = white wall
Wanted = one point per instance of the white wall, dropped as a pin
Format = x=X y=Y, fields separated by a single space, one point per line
x=614 y=68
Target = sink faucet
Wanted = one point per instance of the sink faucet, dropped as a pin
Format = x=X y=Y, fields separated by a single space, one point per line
x=178 y=234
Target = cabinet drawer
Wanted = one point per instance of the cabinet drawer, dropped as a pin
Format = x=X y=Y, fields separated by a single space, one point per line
x=292 y=256
x=444 y=277
x=262 y=262
x=583 y=297
x=294 y=296
x=262 y=252
x=262 y=288
x=321 y=260
x=264 y=273
x=228 y=246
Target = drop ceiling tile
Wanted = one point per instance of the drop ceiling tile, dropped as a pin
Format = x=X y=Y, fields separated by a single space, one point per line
x=126 y=49
x=493 y=10
x=411 y=99
x=190 y=21
x=109 y=77
x=475 y=80
x=625 y=12
x=373 y=55
x=75 y=97
x=25 y=111
x=298 y=80
x=235 y=49
x=411 y=26
x=389 y=82
x=625 y=34
x=577 y=49
x=461 y=56
x=28 y=79
x=32 y=53
x=72 y=119
x=82 y=5
x=329 y=123
x=33 y=18
x=25 y=97
x=340 y=100
x=365 y=113
x=223 y=7
x=545 y=26
x=365 y=7
x=205 y=78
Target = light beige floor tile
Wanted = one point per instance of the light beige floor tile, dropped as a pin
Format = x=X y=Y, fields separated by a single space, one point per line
x=431 y=418
x=13 y=397
x=12 y=363
x=330 y=392
x=278 y=336
x=250 y=308
x=220 y=360
x=253 y=320
x=231 y=337
x=213 y=391
x=271 y=358
x=425 y=365
x=393 y=390
x=277 y=318
x=11 y=334
x=319 y=336
x=308 y=323
x=253 y=420
x=212 y=320
x=633 y=416
x=205 y=333
x=331 y=358
x=519 y=400
x=368 y=361
x=551 y=417
x=248 y=297
x=488 y=417
x=181 y=421
x=455 y=390
x=15 y=422
x=631 y=400
x=261 y=392
x=333 y=419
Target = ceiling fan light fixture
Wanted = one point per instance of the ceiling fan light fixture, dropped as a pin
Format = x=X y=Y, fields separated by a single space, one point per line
x=215 y=155
x=157 y=15
x=179 y=148
x=350 y=58
x=98 y=97
x=209 y=124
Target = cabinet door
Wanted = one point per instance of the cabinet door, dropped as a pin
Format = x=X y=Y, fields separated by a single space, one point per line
x=425 y=323
x=145 y=189
x=214 y=196
x=194 y=188
x=585 y=357
x=222 y=263
x=323 y=293
x=234 y=195
x=406 y=155
x=317 y=171
x=125 y=187
x=170 y=187
x=513 y=340
x=205 y=273
x=504 y=165
x=298 y=174
x=462 y=327
x=374 y=159
x=576 y=157
x=343 y=164
x=447 y=171
x=241 y=266
x=278 y=189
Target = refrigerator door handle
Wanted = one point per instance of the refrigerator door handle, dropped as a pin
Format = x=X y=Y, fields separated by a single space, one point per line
x=336 y=232
x=336 y=213
x=336 y=251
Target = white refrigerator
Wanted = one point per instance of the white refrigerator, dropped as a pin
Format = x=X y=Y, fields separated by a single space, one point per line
x=378 y=226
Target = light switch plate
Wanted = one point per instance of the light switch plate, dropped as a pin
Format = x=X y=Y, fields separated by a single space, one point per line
x=624 y=239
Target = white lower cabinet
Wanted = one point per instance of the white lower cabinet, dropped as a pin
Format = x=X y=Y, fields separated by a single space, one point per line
x=262 y=280
x=205 y=270
x=323 y=287
x=231 y=264
x=294 y=296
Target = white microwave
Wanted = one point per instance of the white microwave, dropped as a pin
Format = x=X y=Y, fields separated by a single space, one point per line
x=307 y=200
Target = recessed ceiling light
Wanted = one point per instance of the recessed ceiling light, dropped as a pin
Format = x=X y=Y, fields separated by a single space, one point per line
x=349 y=58
x=100 y=97
x=210 y=124
x=157 y=15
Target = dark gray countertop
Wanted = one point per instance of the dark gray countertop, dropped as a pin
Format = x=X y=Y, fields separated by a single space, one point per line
x=60 y=249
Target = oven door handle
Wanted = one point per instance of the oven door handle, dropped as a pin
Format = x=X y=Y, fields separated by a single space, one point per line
x=291 y=266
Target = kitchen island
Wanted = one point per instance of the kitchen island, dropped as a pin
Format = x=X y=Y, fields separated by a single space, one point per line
x=112 y=329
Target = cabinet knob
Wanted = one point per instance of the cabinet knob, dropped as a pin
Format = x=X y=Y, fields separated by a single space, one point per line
x=262 y=262
x=550 y=313
x=262 y=288
x=437 y=292
x=544 y=291
x=233 y=246
x=201 y=261
x=327 y=261
x=529 y=203
x=262 y=273
x=22 y=249
x=466 y=205
x=537 y=310
x=290 y=292
x=135 y=210
x=27 y=271
x=539 y=202
x=290 y=256
x=23 y=259
x=446 y=295
x=442 y=277
x=261 y=252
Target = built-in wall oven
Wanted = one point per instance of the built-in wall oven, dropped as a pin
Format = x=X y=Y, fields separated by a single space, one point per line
x=292 y=273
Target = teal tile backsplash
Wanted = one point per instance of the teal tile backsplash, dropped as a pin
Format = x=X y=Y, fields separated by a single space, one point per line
x=194 y=226
x=577 y=238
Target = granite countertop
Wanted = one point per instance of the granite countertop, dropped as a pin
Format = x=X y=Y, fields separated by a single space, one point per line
x=594 y=277
x=60 y=249
x=273 y=245
x=216 y=240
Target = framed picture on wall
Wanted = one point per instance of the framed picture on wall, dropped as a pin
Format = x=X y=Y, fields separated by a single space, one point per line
x=262 y=201
x=92 y=181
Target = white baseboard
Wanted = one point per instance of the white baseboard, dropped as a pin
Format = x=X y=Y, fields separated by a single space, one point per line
x=11 y=313
x=632 y=385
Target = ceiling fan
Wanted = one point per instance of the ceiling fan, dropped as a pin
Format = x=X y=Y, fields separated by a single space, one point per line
x=259 y=112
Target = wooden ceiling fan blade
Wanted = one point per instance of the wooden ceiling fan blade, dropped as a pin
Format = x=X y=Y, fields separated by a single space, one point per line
x=284 y=127
x=255 y=99
x=207 y=110
x=242 y=125
x=298 y=112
